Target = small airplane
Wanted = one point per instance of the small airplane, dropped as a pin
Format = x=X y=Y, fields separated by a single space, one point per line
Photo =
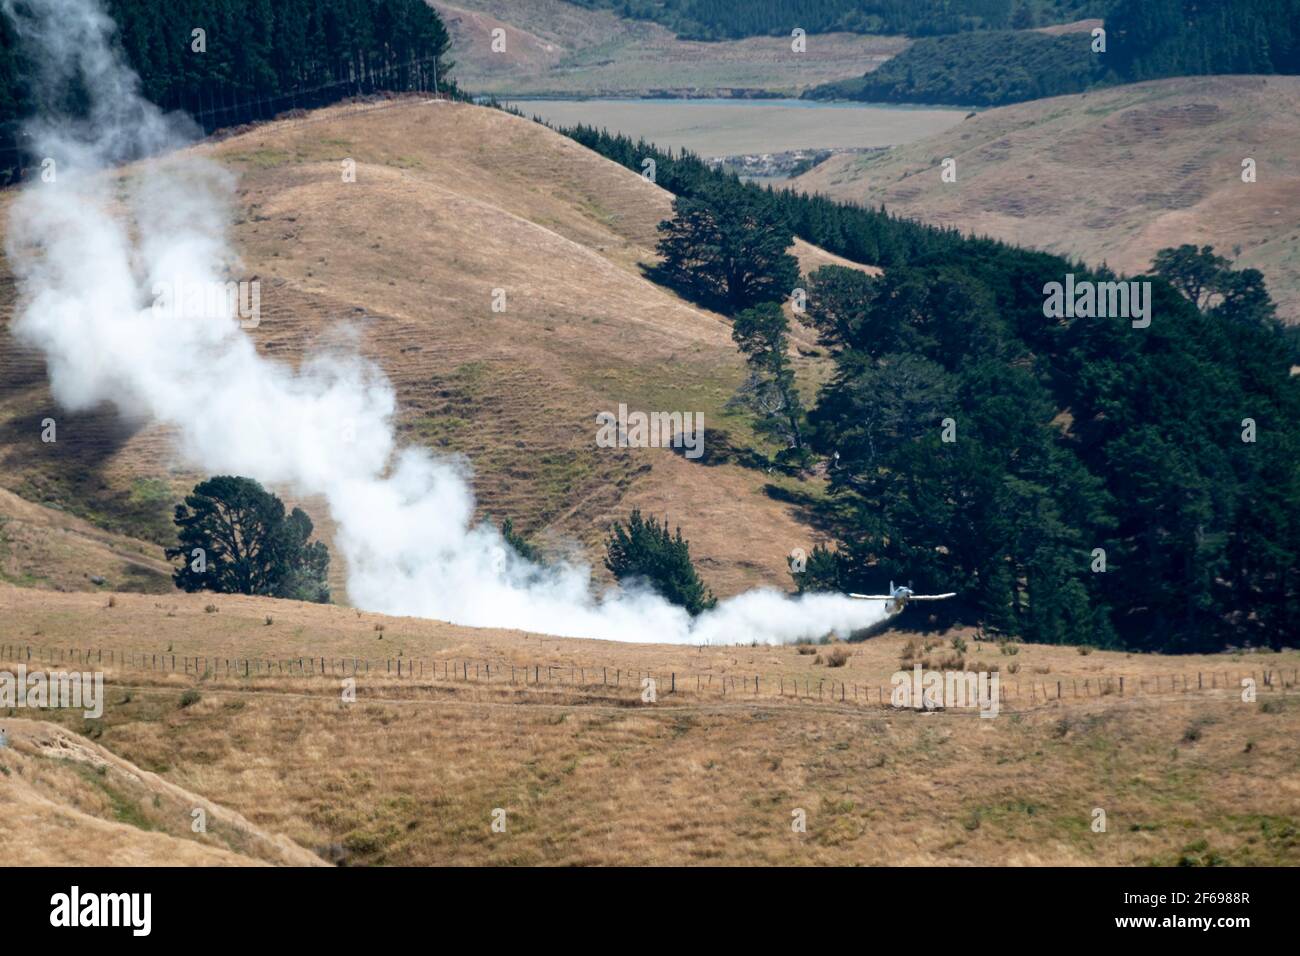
x=898 y=597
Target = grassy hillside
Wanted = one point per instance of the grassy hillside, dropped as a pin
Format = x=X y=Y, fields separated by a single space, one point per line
x=411 y=772
x=1111 y=176
x=71 y=802
x=451 y=202
x=553 y=46
x=46 y=547
x=722 y=19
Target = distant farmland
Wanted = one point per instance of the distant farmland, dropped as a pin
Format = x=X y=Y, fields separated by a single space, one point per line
x=729 y=127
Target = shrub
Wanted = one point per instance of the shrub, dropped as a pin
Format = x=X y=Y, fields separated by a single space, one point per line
x=822 y=572
x=644 y=550
x=190 y=698
x=837 y=657
x=519 y=543
x=210 y=609
x=959 y=645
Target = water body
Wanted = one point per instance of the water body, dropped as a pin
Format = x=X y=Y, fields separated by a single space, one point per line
x=732 y=127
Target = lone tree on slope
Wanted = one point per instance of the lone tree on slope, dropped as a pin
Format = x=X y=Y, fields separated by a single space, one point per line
x=727 y=250
x=235 y=538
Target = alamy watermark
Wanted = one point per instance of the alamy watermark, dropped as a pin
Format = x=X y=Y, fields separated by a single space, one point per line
x=651 y=430
x=180 y=298
x=1086 y=299
x=929 y=690
x=130 y=910
x=41 y=690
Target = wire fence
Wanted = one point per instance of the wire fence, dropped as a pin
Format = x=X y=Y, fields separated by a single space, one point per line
x=606 y=679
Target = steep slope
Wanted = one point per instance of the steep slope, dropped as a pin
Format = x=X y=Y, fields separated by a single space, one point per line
x=450 y=203
x=70 y=802
x=1112 y=175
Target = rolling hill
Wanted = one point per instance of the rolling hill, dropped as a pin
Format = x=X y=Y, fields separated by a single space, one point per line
x=1111 y=176
x=556 y=47
x=451 y=201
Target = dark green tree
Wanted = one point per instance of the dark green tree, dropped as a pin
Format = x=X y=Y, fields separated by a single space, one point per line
x=822 y=571
x=235 y=538
x=643 y=550
x=769 y=391
x=726 y=250
x=1170 y=449
x=262 y=58
x=873 y=406
x=519 y=543
x=1196 y=273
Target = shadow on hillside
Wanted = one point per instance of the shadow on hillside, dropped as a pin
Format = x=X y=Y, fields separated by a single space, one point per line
x=719 y=449
x=68 y=472
x=811 y=510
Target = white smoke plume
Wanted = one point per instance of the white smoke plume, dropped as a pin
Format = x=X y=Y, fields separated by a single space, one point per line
x=88 y=249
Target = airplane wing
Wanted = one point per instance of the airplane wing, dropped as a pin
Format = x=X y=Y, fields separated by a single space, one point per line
x=932 y=597
x=872 y=597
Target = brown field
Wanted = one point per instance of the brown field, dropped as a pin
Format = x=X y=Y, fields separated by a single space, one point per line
x=451 y=201
x=558 y=48
x=1111 y=176
x=587 y=774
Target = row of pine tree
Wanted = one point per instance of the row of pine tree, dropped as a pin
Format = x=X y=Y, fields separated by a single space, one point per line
x=227 y=62
x=1075 y=480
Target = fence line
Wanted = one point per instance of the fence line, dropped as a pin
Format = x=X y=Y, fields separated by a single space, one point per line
x=786 y=686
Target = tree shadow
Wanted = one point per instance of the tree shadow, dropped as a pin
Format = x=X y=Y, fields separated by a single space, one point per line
x=719 y=449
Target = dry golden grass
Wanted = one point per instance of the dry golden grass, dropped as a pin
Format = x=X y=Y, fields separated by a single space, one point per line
x=412 y=771
x=1111 y=176
x=70 y=802
x=451 y=202
x=48 y=548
